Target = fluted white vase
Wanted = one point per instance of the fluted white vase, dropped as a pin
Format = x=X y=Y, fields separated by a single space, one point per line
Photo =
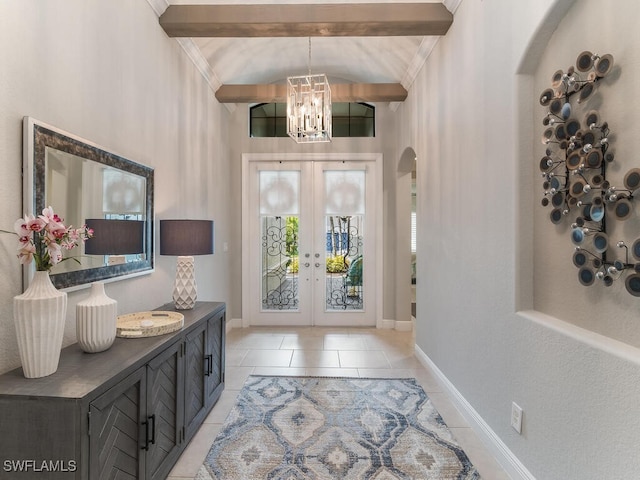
x=96 y=318
x=39 y=316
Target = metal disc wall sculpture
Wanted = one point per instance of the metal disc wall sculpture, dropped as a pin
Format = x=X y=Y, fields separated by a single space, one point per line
x=574 y=172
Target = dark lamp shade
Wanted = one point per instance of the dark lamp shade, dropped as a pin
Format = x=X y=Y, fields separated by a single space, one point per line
x=186 y=237
x=115 y=237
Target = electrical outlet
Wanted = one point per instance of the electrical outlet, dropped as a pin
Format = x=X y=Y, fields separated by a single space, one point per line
x=516 y=417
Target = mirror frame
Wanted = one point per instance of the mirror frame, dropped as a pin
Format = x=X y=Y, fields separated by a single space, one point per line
x=38 y=136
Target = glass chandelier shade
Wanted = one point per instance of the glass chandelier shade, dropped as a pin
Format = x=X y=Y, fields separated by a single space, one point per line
x=309 y=107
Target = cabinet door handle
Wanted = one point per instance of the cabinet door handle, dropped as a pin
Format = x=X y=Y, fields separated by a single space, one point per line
x=148 y=426
x=153 y=429
x=209 y=367
x=146 y=435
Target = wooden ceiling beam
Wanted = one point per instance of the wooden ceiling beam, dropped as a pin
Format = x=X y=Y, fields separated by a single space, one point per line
x=310 y=20
x=341 y=92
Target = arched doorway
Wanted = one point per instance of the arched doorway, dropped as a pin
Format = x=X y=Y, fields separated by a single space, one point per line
x=405 y=239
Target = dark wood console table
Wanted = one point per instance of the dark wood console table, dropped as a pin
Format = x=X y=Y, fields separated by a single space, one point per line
x=131 y=409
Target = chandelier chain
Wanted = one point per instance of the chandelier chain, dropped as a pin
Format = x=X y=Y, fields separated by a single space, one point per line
x=309 y=62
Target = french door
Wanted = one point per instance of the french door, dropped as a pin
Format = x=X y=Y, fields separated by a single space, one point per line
x=311 y=243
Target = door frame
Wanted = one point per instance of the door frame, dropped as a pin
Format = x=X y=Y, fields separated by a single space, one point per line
x=247 y=158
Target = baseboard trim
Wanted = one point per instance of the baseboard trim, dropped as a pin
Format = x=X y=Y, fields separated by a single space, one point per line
x=234 y=323
x=404 y=326
x=387 y=324
x=496 y=446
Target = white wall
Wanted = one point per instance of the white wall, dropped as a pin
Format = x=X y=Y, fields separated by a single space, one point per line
x=107 y=72
x=470 y=117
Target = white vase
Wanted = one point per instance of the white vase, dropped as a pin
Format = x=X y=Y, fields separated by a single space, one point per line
x=96 y=318
x=39 y=315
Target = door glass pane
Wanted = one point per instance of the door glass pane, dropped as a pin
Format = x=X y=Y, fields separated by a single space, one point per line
x=280 y=263
x=279 y=192
x=279 y=212
x=344 y=229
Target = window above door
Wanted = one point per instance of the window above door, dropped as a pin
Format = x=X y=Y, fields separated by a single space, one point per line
x=350 y=119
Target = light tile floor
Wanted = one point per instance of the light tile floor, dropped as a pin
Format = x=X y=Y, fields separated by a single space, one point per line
x=352 y=352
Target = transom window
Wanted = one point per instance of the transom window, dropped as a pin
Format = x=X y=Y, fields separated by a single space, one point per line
x=349 y=120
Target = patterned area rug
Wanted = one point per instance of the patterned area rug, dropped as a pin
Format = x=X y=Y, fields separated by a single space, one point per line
x=293 y=428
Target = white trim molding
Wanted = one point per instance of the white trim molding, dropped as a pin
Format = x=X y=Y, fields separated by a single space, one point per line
x=386 y=324
x=417 y=62
x=505 y=457
x=404 y=325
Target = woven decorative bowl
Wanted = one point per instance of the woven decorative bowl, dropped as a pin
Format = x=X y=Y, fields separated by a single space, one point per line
x=148 y=324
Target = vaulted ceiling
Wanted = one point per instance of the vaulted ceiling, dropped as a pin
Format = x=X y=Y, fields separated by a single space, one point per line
x=370 y=50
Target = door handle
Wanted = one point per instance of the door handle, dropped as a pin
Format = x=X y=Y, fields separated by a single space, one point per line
x=148 y=426
x=209 y=365
x=153 y=429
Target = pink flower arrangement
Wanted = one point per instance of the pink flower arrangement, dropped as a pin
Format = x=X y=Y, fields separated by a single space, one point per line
x=43 y=238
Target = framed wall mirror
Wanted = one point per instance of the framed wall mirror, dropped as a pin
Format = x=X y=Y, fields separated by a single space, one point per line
x=84 y=183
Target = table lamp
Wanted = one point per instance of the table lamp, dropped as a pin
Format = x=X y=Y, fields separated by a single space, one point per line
x=185 y=238
x=97 y=315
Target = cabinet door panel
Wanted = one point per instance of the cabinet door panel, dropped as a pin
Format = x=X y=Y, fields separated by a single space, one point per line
x=115 y=431
x=215 y=349
x=164 y=408
x=195 y=394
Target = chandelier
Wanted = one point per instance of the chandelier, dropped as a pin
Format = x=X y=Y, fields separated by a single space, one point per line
x=309 y=107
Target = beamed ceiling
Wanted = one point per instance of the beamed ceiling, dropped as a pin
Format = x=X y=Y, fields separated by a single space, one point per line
x=370 y=51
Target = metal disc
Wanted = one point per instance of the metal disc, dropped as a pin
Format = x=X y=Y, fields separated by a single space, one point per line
x=588 y=137
x=556 y=78
x=555 y=183
x=584 y=61
x=586 y=91
x=546 y=96
x=623 y=209
x=577 y=187
x=591 y=117
x=594 y=159
x=577 y=236
x=545 y=164
x=632 y=179
x=600 y=242
x=574 y=160
x=632 y=283
x=560 y=131
x=604 y=64
x=596 y=212
x=635 y=249
x=579 y=258
x=572 y=127
x=547 y=135
x=586 y=276
x=556 y=105
x=597 y=180
x=557 y=199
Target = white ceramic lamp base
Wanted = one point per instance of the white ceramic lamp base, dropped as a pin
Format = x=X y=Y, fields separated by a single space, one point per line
x=96 y=319
x=185 y=291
